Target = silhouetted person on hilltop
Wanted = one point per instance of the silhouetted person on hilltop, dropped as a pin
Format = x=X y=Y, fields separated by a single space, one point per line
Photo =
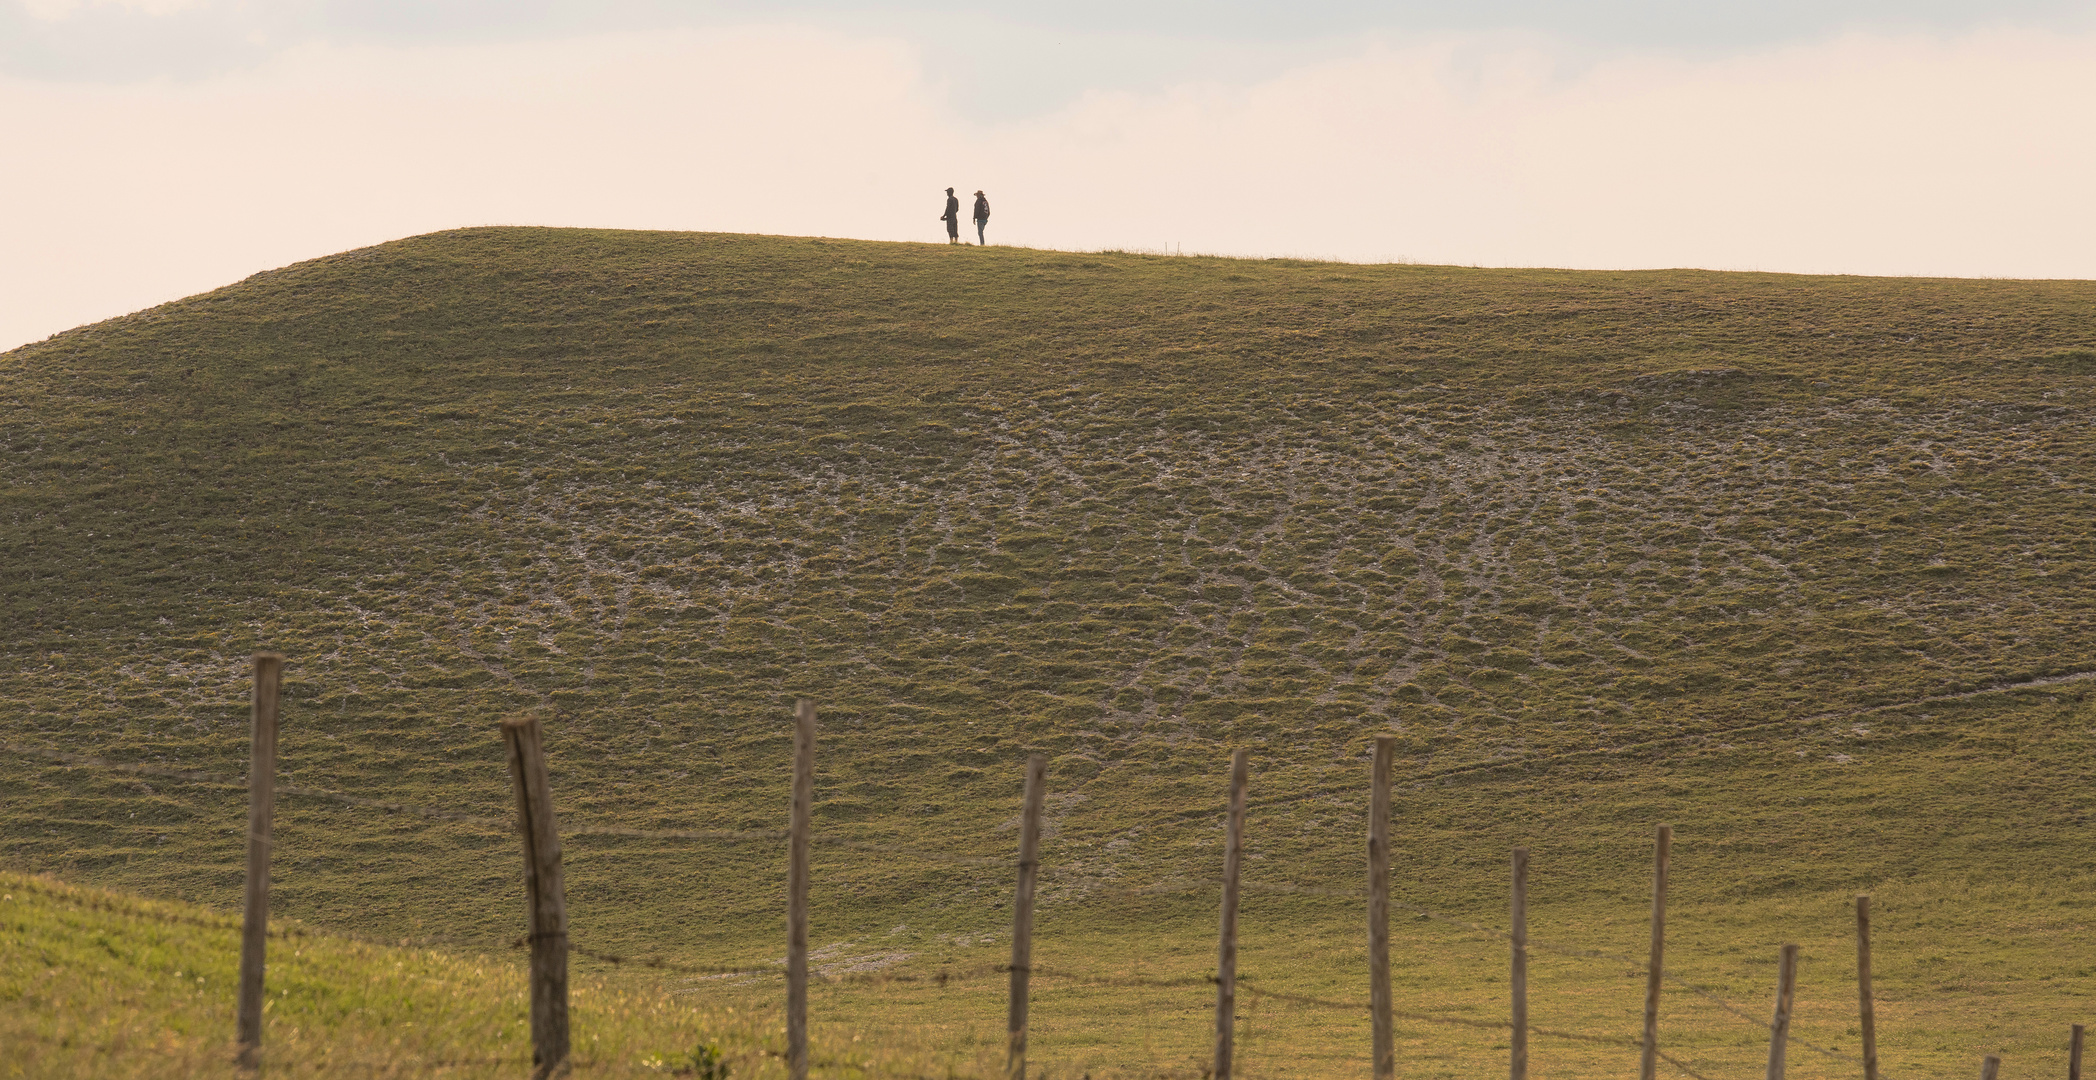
x=952 y=218
x=982 y=217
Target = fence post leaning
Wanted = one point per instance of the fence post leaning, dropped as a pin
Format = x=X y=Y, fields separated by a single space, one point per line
x=1865 y=999
x=1518 y=980
x=797 y=890
x=261 y=808
x=2074 y=1045
x=1226 y=948
x=1779 y=1029
x=1022 y=915
x=1655 y=964
x=1990 y=1067
x=545 y=894
x=1379 y=907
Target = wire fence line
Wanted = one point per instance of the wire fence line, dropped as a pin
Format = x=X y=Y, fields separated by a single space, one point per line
x=1563 y=950
x=1629 y=1042
x=1095 y=882
x=940 y=978
x=736 y=835
x=277 y=930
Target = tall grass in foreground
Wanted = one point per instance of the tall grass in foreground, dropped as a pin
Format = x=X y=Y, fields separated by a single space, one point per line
x=98 y=984
x=95 y=984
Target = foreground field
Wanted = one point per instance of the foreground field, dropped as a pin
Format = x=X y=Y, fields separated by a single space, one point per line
x=1799 y=565
x=99 y=984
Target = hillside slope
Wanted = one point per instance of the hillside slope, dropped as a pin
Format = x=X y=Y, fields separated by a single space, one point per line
x=1751 y=553
x=100 y=984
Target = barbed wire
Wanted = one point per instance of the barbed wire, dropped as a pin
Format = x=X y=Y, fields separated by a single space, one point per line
x=1465 y=1021
x=228 y=924
x=1545 y=946
x=277 y=929
x=1103 y=886
x=1674 y=1061
x=395 y=1067
x=778 y=968
x=657 y=962
x=1123 y=981
x=573 y=832
x=738 y=835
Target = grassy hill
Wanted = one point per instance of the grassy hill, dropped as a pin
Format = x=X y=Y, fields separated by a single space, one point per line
x=1801 y=565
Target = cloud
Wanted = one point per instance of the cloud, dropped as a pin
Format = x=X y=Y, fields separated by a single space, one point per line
x=999 y=58
x=58 y=10
x=1876 y=154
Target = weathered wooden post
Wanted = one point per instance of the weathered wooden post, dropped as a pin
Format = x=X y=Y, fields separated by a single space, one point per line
x=2074 y=1044
x=1518 y=978
x=1865 y=1000
x=1226 y=949
x=1779 y=1029
x=1655 y=963
x=797 y=890
x=1022 y=915
x=261 y=807
x=1990 y=1067
x=1379 y=907
x=544 y=894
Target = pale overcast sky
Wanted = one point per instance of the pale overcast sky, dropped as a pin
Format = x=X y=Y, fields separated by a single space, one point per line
x=157 y=148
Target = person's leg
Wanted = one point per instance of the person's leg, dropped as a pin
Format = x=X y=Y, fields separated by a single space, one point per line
x=980 y=224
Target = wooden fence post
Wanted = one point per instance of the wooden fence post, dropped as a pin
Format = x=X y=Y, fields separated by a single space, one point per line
x=797 y=891
x=2074 y=1044
x=1655 y=964
x=1022 y=915
x=1779 y=1029
x=1990 y=1067
x=1226 y=949
x=1379 y=907
x=1865 y=1000
x=1518 y=1068
x=545 y=895
x=261 y=807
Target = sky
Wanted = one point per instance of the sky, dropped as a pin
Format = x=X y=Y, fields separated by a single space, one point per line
x=152 y=149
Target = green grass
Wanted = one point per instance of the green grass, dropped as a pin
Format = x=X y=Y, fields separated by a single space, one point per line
x=99 y=984
x=1747 y=553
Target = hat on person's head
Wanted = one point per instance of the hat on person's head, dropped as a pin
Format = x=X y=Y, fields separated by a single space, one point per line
x=949 y=191
x=978 y=193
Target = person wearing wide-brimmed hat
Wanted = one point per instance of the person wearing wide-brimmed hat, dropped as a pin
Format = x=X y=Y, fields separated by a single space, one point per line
x=982 y=216
x=952 y=218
